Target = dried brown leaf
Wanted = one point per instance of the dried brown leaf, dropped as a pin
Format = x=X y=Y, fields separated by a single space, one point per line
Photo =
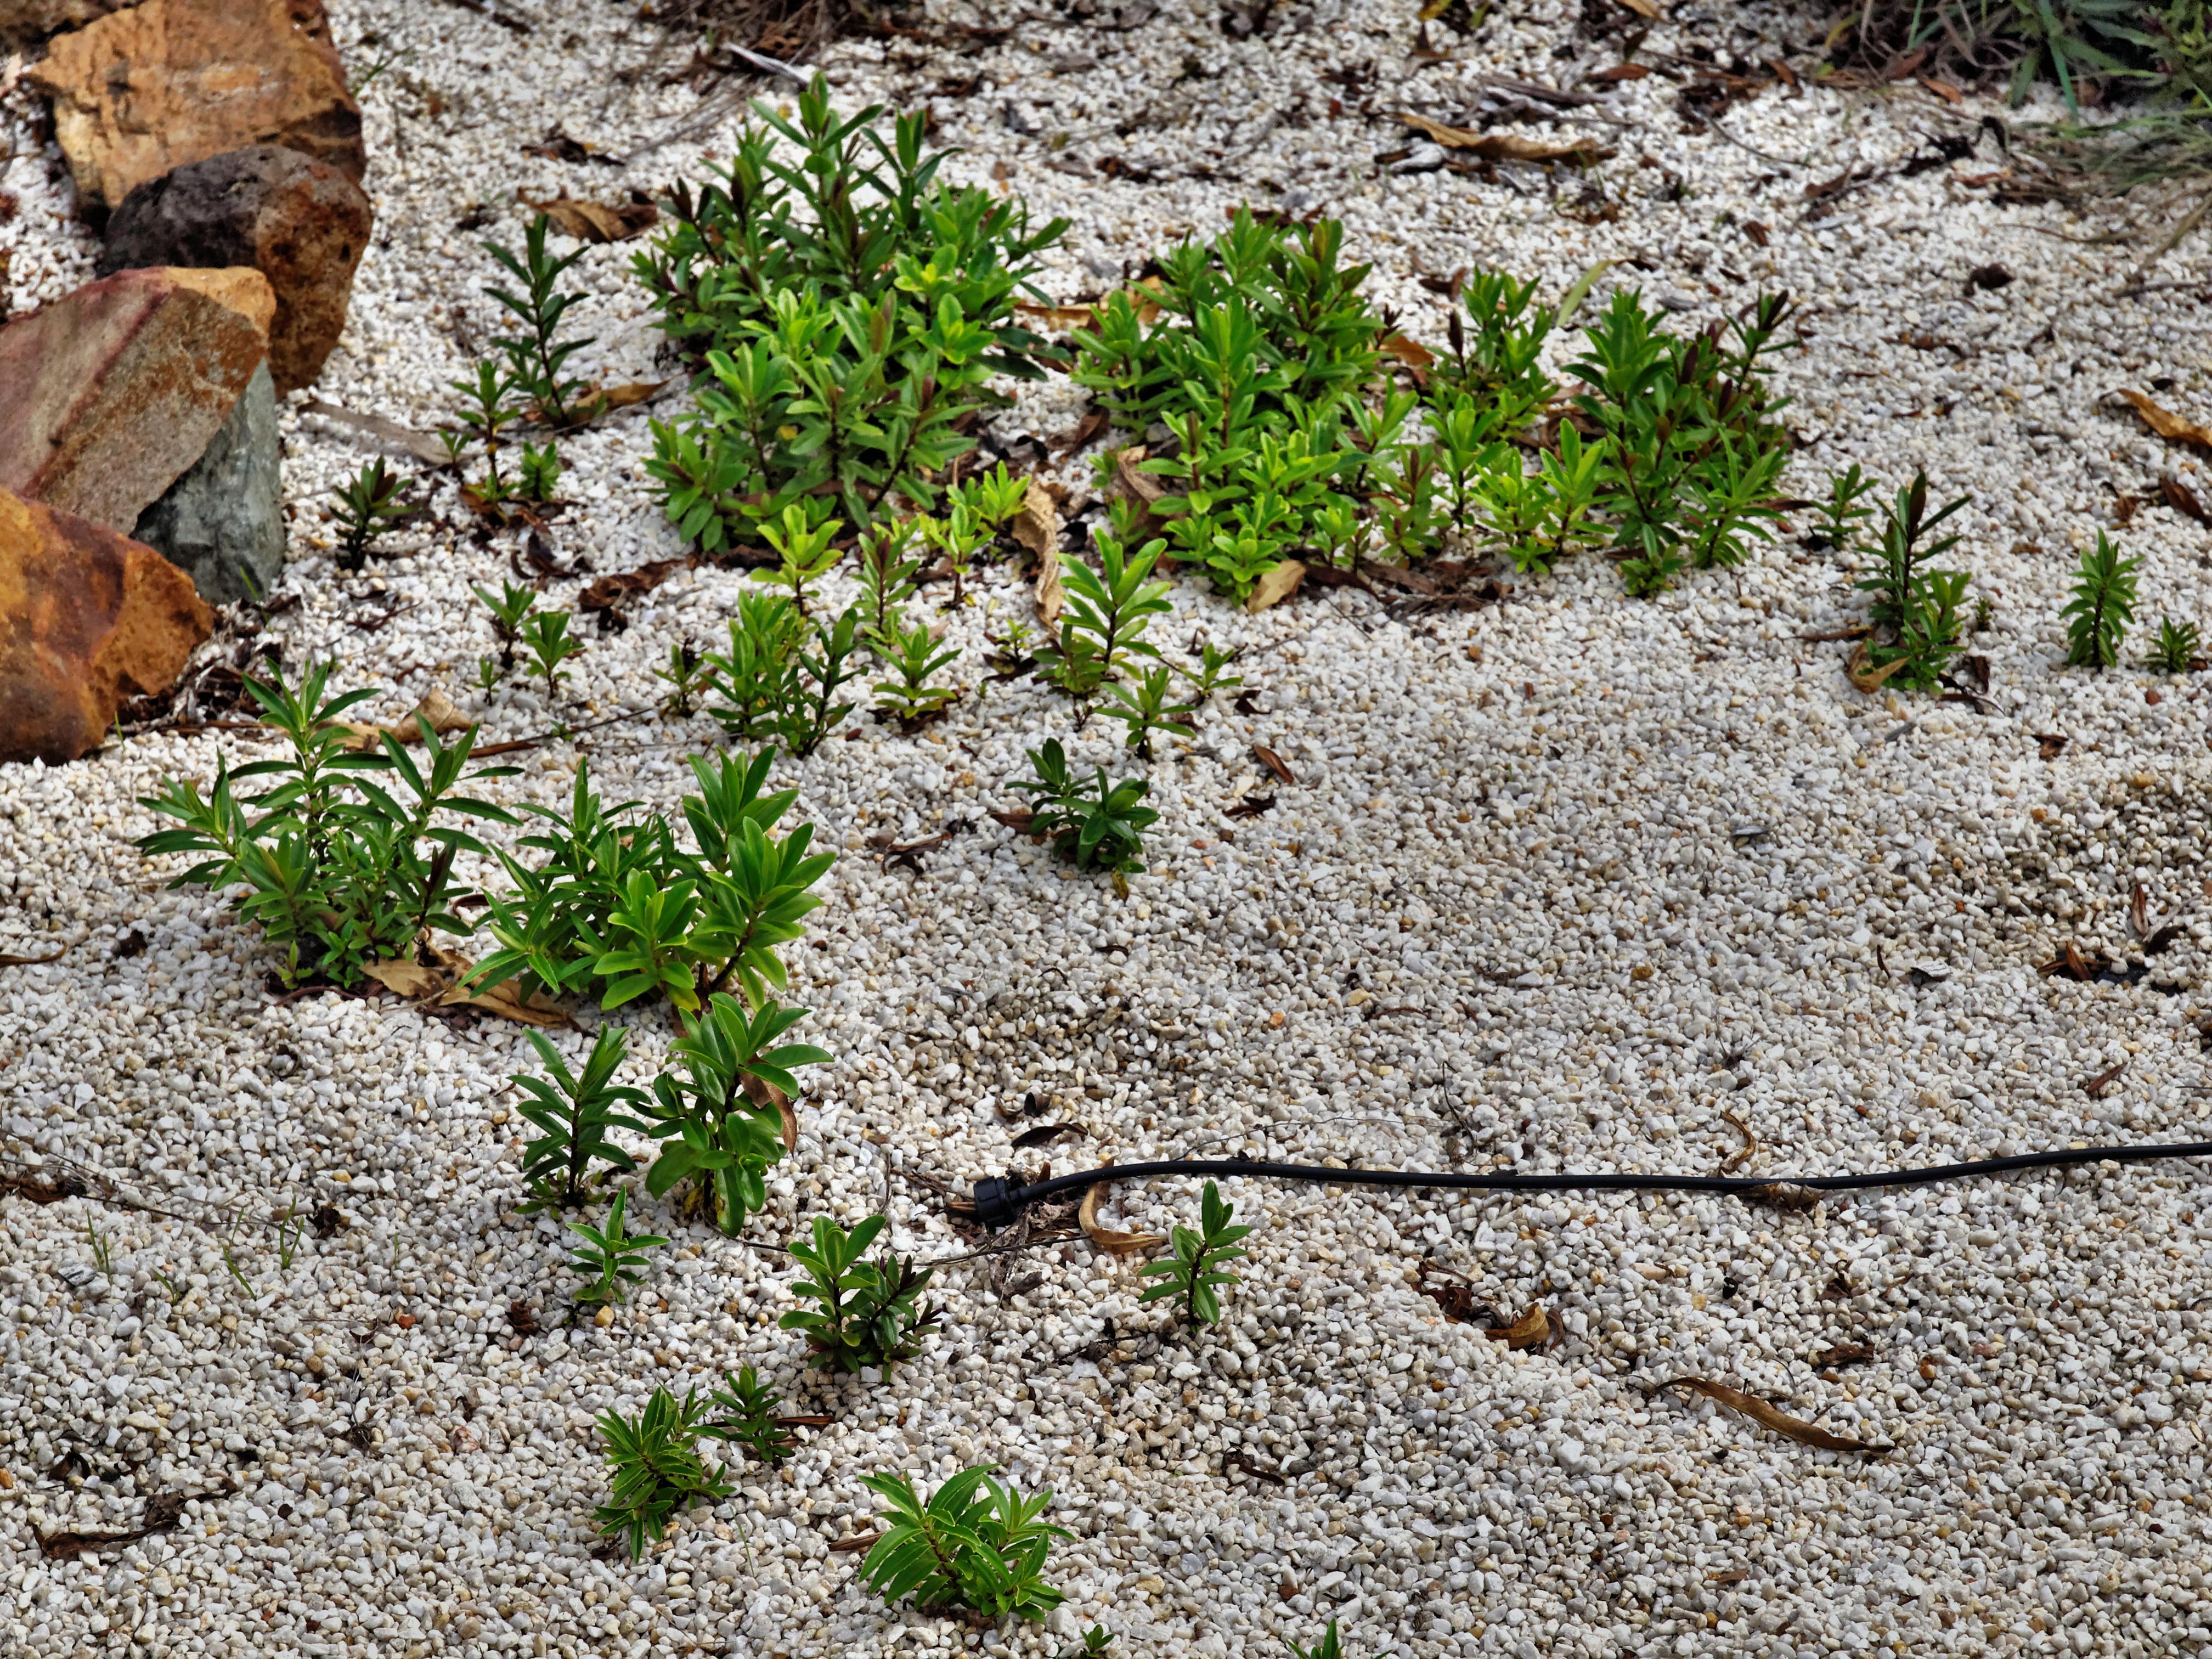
x=606 y=593
x=2167 y=423
x=1744 y=1153
x=1533 y=1328
x=422 y=445
x=1275 y=763
x=1108 y=1238
x=595 y=221
x=1844 y=1353
x=1643 y=9
x=1866 y=678
x=436 y=710
x=406 y=979
x=1277 y=585
x=440 y=982
x=1619 y=73
x=1772 y=1417
x=1412 y=353
x=33 y=961
x=1070 y=317
x=1503 y=146
x=630 y=392
x=2095 y=1086
x=2184 y=500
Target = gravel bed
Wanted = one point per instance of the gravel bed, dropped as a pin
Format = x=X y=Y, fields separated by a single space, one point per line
x=1576 y=881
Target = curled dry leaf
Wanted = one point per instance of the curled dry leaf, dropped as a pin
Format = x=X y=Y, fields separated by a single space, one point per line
x=435 y=711
x=1069 y=316
x=1744 y=1153
x=440 y=982
x=1844 y=1353
x=593 y=221
x=630 y=392
x=1772 y=1417
x=1531 y=1329
x=1412 y=353
x=762 y=1092
x=2167 y=423
x=1108 y=1238
x=1275 y=763
x=1277 y=585
x=606 y=593
x=1866 y=678
x=1501 y=146
x=1131 y=484
x=2183 y=500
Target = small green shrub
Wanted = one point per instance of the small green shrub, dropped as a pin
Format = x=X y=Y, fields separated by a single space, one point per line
x=2177 y=648
x=484 y=418
x=1194 y=1277
x=347 y=858
x=722 y=1130
x=1107 y=612
x=540 y=470
x=748 y=1418
x=1149 y=708
x=975 y=1544
x=807 y=549
x=871 y=1312
x=1327 y=1647
x=781 y=676
x=654 y=1469
x=1100 y=826
x=508 y=612
x=849 y=311
x=546 y=634
x=609 y=1258
x=618 y=905
x=537 y=357
x=912 y=656
x=367 y=509
x=2103 y=605
x=1916 y=607
x=573 y=1113
x=1841 y=516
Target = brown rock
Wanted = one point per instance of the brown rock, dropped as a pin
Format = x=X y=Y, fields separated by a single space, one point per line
x=143 y=92
x=303 y=224
x=30 y=23
x=87 y=617
x=109 y=395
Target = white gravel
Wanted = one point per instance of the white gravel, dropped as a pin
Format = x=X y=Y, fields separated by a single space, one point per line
x=1511 y=911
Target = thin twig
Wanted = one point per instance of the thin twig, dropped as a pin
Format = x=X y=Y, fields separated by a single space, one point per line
x=2194 y=217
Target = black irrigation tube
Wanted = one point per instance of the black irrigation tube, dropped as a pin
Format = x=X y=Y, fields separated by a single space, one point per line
x=999 y=1201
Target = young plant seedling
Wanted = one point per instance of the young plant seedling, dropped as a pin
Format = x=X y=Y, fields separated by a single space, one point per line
x=1193 y=1278
x=574 y=1113
x=609 y=1260
x=1096 y=1641
x=546 y=634
x=810 y=713
x=975 y=1544
x=535 y=358
x=368 y=508
x=806 y=548
x=1102 y=829
x=1210 y=678
x=887 y=581
x=749 y=1417
x=1108 y=610
x=1841 y=517
x=1148 y=709
x=484 y=419
x=654 y=1469
x=870 y=1311
x=540 y=473
x=1327 y=1647
x=2178 y=647
x=514 y=603
x=716 y=1134
x=685 y=680
x=2103 y=604
x=912 y=658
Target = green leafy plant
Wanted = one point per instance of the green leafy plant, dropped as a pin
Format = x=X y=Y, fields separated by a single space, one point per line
x=609 y=1260
x=1149 y=708
x=1108 y=610
x=1194 y=1277
x=912 y=657
x=540 y=473
x=2102 y=607
x=1327 y=1647
x=367 y=509
x=1647 y=576
x=546 y=634
x=870 y=1312
x=1096 y=1641
x=1916 y=607
x=887 y=580
x=721 y=1124
x=654 y=1468
x=537 y=357
x=573 y=1113
x=103 y=1256
x=1842 y=519
x=484 y=419
x=2178 y=647
x=754 y=678
x=618 y=904
x=973 y=1544
x=849 y=311
x=748 y=1418
x=291 y=1226
x=346 y=859
x=1210 y=678
x=806 y=548
x=810 y=711
x=508 y=611
x=1100 y=826
x=686 y=677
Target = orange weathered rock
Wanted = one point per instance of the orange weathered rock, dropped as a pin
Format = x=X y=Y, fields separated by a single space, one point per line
x=29 y=23
x=108 y=394
x=87 y=617
x=141 y=92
